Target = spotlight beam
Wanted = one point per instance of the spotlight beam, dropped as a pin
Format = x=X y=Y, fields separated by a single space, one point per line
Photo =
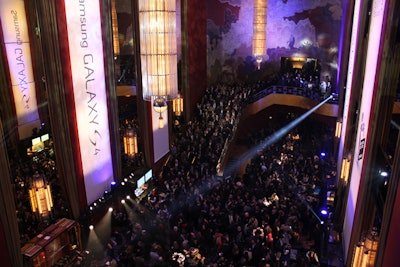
x=230 y=169
x=303 y=201
x=395 y=124
x=273 y=138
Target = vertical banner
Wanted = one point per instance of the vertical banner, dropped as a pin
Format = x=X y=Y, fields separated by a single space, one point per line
x=87 y=67
x=365 y=113
x=17 y=46
x=350 y=74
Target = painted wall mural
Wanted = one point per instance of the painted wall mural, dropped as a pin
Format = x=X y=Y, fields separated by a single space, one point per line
x=295 y=28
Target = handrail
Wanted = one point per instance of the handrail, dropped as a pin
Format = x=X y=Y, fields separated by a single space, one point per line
x=227 y=143
x=274 y=89
x=312 y=93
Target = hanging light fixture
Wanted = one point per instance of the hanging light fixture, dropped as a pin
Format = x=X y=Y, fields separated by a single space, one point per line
x=364 y=254
x=40 y=195
x=130 y=142
x=159 y=106
x=259 y=30
x=158 y=52
x=177 y=105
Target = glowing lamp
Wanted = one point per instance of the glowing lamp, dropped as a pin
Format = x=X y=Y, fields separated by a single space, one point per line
x=384 y=173
x=338 y=129
x=130 y=142
x=158 y=52
x=364 y=254
x=345 y=171
x=259 y=30
x=40 y=196
x=159 y=106
x=114 y=21
x=177 y=105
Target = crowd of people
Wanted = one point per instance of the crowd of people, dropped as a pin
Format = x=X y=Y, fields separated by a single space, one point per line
x=26 y=170
x=193 y=217
x=213 y=123
x=311 y=84
x=300 y=83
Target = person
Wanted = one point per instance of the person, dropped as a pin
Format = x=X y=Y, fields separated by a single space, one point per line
x=312 y=258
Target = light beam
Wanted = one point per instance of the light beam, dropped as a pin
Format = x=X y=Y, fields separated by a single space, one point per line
x=272 y=138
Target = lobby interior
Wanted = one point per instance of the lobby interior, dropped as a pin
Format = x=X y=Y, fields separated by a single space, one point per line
x=353 y=46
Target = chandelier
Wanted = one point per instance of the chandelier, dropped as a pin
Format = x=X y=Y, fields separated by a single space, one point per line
x=130 y=142
x=177 y=105
x=364 y=254
x=40 y=195
x=158 y=52
x=259 y=30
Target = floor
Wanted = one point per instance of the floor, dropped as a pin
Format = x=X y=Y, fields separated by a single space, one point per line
x=332 y=255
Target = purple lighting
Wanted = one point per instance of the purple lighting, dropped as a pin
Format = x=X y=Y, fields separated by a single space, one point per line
x=384 y=174
x=324 y=212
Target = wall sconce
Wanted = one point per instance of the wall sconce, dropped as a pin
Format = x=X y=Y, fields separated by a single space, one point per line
x=177 y=105
x=130 y=142
x=40 y=195
x=345 y=171
x=115 y=33
x=158 y=52
x=338 y=129
x=259 y=30
x=365 y=251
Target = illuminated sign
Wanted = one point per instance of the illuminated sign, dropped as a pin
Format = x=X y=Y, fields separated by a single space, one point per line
x=16 y=42
x=87 y=67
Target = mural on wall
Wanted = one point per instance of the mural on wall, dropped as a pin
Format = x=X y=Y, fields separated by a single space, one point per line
x=295 y=28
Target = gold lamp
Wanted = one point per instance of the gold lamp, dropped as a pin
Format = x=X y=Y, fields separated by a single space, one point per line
x=158 y=52
x=115 y=33
x=338 y=129
x=159 y=106
x=345 y=171
x=40 y=196
x=130 y=142
x=259 y=30
x=177 y=105
x=364 y=254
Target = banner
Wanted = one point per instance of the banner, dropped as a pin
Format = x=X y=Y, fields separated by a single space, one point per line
x=365 y=114
x=87 y=67
x=17 y=46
